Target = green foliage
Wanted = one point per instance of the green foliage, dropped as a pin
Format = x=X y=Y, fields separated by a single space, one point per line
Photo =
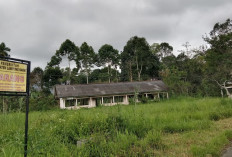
x=52 y=76
x=162 y=50
x=144 y=100
x=112 y=131
x=213 y=147
x=4 y=50
x=138 y=60
x=87 y=59
x=36 y=79
x=55 y=61
x=68 y=48
x=108 y=56
x=40 y=101
x=218 y=57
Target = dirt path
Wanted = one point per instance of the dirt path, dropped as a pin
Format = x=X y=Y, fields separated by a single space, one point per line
x=227 y=152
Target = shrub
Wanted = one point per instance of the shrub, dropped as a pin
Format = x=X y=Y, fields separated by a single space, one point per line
x=144 y=99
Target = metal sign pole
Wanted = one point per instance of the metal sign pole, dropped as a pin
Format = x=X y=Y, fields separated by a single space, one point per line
x=27 y=108
x=26 y=126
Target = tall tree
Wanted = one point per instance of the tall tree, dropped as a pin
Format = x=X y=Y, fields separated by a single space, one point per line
x=109 y=57
x=4 y=51
x=52 y=76
x=218 y=56
x=136 y=56
x=87 y=59
x=162 y=50
x=36 y=80
x=69 y=49
x=55 y=60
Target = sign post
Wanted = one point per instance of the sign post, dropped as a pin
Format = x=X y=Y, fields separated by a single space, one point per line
x=15 y=81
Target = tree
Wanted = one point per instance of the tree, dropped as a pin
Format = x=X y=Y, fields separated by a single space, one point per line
x=136 y=56
x=4 y=50
x=218 y=56
x=55 y=61
x=87 y=59
x=108 y=56
x=36 y=78
x=162 y=50
x=52 y=76
x=186 y=50
x=69 y=49
x=101 y=75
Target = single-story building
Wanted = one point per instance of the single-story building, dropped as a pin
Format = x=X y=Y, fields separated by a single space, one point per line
x=92 y=95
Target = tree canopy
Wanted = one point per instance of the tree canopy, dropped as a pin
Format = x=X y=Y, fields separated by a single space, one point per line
x=109 y=57
x=4 y=51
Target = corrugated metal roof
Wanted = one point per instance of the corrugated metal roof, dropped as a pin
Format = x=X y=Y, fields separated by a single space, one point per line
x=91 y=90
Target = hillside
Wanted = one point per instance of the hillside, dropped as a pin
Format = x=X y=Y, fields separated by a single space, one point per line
x=175 y=127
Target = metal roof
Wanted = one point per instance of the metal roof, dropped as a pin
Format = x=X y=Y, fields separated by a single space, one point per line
x=92 y=90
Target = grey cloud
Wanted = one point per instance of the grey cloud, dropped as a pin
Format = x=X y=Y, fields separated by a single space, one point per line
x=35 y=29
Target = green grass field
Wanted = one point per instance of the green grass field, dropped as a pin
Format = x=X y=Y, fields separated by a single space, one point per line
x=175 y=127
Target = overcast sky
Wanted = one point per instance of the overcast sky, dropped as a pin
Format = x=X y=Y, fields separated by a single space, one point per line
x=34 y=29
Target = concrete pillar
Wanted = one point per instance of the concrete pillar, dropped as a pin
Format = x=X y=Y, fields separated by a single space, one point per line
x=92 y=102
x=125 y=99
x=146 y=95
x=76 y=103
x=102 y=101
x=62 y=103
x=113 y=99
x=167 y=96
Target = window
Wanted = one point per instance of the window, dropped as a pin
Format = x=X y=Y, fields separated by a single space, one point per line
x=107 y=100
x=84 y=101
x=70 y=102
x=118 y=99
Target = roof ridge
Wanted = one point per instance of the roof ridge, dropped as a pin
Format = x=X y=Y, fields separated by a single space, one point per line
x=111 y=83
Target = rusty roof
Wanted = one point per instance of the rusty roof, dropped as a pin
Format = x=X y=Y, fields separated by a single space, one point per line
x=92 y=90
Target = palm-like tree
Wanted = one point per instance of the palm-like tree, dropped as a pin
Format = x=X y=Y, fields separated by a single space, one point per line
x=4 y=50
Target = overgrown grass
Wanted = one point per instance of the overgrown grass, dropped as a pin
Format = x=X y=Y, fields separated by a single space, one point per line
x=141 y=130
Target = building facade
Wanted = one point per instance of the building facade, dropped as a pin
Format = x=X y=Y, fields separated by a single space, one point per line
x=92 y=95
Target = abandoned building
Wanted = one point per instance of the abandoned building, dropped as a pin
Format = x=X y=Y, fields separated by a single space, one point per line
x=92 y=95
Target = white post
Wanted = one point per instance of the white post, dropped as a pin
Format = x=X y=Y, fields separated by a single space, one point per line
x=113 y=99
x=127 y=102
x=90 y=102
x=102 y=101
x=76 y=103
x=146 y=95
x=167 y=96
x=62 y=103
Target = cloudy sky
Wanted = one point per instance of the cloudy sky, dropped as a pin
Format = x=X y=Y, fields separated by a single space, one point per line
x=34 y=29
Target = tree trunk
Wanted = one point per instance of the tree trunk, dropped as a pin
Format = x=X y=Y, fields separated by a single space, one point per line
x=137 y=67
x=109 y=73
x=130 y=71
x=138 y=70
x=116 y=76
x=224 y=87
x=87 y=79
x=69 y=71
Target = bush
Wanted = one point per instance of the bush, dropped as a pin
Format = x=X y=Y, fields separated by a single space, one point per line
x=40 y=102
x=144 y=100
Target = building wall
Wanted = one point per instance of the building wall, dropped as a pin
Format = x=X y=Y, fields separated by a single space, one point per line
x=92 y=101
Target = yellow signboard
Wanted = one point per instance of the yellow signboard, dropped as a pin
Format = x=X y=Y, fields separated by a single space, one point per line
x=13 y=76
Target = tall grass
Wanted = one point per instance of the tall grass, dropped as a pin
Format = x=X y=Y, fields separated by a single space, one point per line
x=111 y=131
